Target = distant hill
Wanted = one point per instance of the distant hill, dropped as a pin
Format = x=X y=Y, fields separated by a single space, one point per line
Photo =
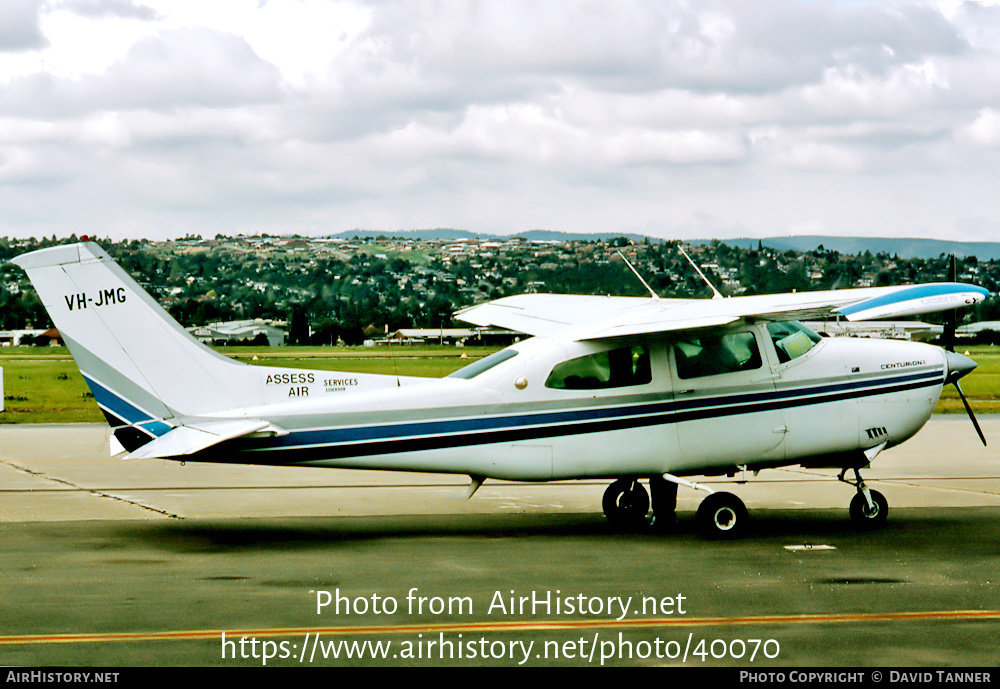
x=894 y=246
x=450 y=234
x=902 y=247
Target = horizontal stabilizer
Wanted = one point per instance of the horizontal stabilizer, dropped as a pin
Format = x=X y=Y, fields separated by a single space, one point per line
x=192 y=437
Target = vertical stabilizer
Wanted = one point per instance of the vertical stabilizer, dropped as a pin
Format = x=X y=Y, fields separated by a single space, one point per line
x=140 y=364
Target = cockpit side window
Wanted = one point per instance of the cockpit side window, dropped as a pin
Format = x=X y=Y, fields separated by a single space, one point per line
x=712 y=355
x=616 y=368
x=791 y=339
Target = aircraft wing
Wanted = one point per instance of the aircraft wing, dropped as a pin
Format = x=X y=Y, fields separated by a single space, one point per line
x=594 y=317
x=548 y=314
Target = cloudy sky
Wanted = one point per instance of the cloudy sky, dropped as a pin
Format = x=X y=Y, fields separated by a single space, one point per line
x=697 y=118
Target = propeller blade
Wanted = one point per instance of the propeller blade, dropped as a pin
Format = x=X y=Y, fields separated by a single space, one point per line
x=971 y=415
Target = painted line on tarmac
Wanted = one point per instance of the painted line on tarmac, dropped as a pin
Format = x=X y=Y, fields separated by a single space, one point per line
x=512 y=626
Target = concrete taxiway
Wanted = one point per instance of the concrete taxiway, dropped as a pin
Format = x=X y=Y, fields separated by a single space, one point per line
x=146 y=563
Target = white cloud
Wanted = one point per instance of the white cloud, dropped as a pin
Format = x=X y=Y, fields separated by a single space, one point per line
x=815 y=156
x=172 y=116
x=100 y=9
x=178 y=68
x=20 y=25
x=984 y=132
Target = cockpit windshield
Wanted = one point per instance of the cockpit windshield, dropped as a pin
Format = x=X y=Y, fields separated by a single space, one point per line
x=791 y=339
x=484 y=364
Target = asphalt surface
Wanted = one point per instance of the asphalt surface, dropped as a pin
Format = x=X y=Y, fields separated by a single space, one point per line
x=112 y=563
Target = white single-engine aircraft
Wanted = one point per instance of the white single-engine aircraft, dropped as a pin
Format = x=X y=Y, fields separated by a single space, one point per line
x=621 y=388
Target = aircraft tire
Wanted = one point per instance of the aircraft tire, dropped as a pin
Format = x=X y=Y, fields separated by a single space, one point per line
x=722 y=516
x=861 y=515
x=626 y=503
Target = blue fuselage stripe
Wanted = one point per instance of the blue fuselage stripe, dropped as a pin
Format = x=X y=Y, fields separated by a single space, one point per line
x=392 y=438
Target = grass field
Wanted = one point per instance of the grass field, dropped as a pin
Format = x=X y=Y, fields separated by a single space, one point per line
x=43 y=385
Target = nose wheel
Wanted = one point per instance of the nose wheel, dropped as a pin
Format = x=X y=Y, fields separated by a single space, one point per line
x=869 y=508
x=869 y=515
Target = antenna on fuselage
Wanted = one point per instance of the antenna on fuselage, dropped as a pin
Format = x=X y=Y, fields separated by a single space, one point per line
x=716 y=294
x=636 y=273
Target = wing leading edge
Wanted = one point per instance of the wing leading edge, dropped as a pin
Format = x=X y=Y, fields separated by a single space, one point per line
x=596 y=317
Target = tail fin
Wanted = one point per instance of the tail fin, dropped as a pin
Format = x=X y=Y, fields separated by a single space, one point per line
x=161 y=389
x=140 y=364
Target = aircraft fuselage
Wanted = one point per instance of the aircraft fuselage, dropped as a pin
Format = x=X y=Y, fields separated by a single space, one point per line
x=823 y=408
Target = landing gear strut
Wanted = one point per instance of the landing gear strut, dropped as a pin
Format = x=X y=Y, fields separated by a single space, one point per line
x=664 y=498
x=869 y=508
x=626 y=503
x=721 y=515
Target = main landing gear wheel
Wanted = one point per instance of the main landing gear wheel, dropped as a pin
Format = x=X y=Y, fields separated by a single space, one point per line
x=626 y=503
x=869 y=516
x=723 y=516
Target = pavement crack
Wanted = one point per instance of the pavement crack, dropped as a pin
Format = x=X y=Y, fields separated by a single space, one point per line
x=92 y=491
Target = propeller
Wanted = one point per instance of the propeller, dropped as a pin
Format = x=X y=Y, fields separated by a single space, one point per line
x=958 y=364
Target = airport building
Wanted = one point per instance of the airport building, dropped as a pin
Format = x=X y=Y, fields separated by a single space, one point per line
x=256 y=331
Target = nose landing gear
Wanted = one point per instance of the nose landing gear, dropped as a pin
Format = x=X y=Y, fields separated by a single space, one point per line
x=869 y=508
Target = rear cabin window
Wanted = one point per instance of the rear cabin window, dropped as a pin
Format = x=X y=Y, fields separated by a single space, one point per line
x=712 y=355
x=616 y=368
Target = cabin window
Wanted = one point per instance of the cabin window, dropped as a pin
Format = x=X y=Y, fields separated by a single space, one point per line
x=712 y=355
x=791 y=339
x=616 y=368
x=484 y=364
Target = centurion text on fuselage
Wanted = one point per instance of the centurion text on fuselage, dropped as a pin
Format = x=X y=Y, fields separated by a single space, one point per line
x=902 y=364
x=623 y=388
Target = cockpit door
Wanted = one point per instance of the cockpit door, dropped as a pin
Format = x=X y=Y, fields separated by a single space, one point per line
x=724 y=397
